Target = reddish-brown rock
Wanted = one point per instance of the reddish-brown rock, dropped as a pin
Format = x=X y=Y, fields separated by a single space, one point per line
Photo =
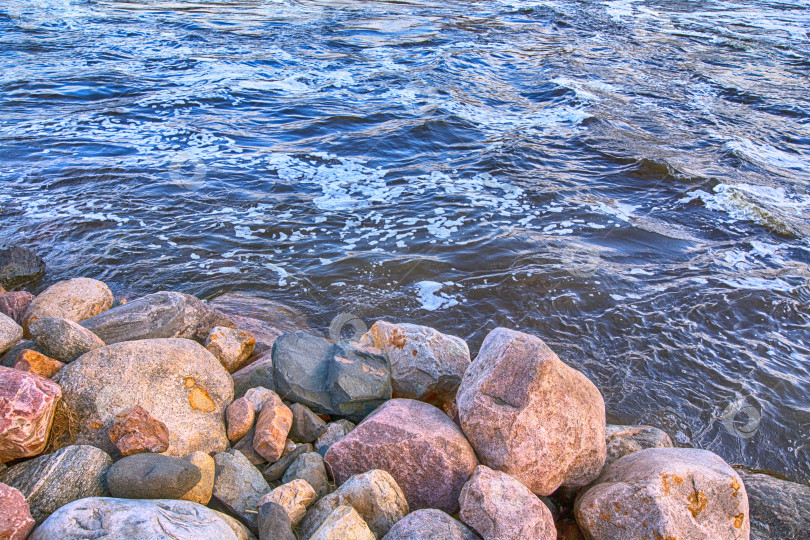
x=27 y=405
x=499 y=507
x=15 y=304
x=15 y=516
x=417 y=444
x=73 y=299
x=528 y=414
x=136 y=431
x=232 y=347
x=240 y=416
x=37 y=363
x=272 y=427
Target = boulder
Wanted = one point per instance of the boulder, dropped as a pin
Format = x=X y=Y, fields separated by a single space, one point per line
x=276 y=470
x=15 y=519
x=74 y=299
x=62 y=339
x=418 y=444
x=344 y=523
x=358 y=380
x=531 y=416
x=27 y=406
x=176 y=381
x=37 y=363
x=159 y=315
x=309 y=466
x=623 y=440
x=307 y=426
x=430 y=523
x=101 y=517
x=274 y=523
x=239 y=485
x=201 y=493
x=51 y=481
x=135 y=431
x=232 y=347
x=779 y=508
x=425 y=364
x=272 y=427
x=257 y=373
x=264 y=319
x=334 y=432
x=151 y=476
x=301 y=366
x=375 y=495
x=666 y=493
x=499 y=507
x=19 y=266
x=240 y=416
x=15 y=304
x=294 y=497
x=10 y=333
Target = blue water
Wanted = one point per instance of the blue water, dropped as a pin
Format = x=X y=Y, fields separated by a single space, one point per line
x=629 y=180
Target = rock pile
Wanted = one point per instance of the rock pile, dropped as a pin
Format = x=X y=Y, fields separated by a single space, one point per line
x=166 y=417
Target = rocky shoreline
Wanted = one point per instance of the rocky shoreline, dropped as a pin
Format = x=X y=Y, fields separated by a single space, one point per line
x=169 y=417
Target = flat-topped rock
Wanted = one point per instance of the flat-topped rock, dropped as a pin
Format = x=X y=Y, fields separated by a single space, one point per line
x=425 y=364
x=528 y=414
x=132 y=519
x=176 y=381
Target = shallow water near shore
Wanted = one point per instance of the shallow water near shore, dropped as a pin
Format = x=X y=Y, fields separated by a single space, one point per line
x=629 y=180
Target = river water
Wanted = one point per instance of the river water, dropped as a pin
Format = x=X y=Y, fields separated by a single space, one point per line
x=629 y=180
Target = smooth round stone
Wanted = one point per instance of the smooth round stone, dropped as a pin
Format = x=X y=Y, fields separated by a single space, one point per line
x=151 y=476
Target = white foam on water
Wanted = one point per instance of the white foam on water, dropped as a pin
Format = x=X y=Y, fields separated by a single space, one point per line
x=431 y=298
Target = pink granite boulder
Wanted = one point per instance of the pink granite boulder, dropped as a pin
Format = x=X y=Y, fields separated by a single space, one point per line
x=272 y=428
x=14 y=304
x=15 y=516
x=499 y=507
x=27 y=406
x=417 y=444
x=528 y=414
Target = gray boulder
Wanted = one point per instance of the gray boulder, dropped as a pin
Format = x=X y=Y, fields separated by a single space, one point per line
x=429 y=523
x=239 y=485
x=275 y=471
x=62 y=339
x=779 y=508
x=176 y=381
x=307 y=426
x=274 y=523
x=258 y=373
x=301 y=366
x=359 y=380
x=54 y=480
x=107 y=518
x=151 y=476
x=19 y=266
x=310 y=467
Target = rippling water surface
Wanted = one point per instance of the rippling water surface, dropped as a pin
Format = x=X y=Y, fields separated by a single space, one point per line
x=629 y=180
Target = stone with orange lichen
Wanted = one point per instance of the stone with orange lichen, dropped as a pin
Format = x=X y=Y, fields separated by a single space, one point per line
x=231 y=346
x=37 y=363
x=155 y=374
x=669 y=493
x=425 y=364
